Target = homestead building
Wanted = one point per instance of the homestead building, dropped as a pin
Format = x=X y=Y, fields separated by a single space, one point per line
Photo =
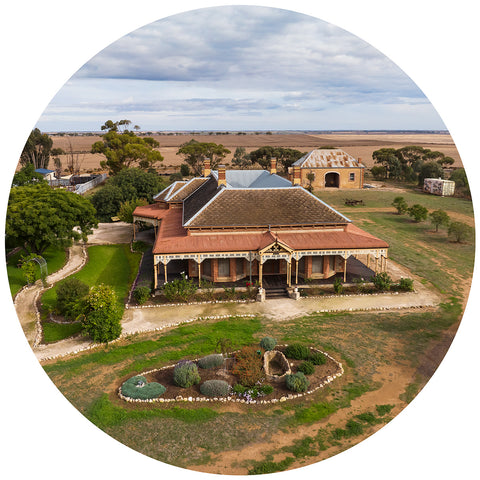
x=230 y=225
x=331 y=168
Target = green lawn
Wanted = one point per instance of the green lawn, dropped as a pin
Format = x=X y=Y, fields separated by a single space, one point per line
x=112 y=265
x=54 y=257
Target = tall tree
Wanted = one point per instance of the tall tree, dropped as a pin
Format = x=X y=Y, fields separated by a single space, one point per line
x=37 y=149
x=241 y=158
x=195 y=152
x=123 y=148
x=38 y=216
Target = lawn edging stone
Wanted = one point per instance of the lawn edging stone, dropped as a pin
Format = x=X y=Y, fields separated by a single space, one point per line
x=232 y=399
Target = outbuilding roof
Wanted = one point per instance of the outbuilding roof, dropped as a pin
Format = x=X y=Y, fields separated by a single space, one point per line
x=328 y=158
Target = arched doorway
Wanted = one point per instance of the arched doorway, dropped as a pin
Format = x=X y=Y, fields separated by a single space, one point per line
x=332 y=179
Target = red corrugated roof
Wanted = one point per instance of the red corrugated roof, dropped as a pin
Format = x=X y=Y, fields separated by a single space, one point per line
x=172 y=238
x=151 y=211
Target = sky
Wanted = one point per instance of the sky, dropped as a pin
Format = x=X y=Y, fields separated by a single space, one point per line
x=241 y=68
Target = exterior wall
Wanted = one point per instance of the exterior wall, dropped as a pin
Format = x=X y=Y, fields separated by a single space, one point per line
x=344 y=174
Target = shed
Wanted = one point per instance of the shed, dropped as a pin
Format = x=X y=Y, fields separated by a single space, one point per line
x=439 y=186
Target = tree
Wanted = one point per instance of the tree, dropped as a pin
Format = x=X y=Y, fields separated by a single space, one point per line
x=387 y=157
x=401 y=205
x=184 y=170
x=460 y=231
x=262 y=156
x=310 y=178
x=125 y=214
x=27 y=176
x=438 y=218
x=102 y=315
x=129 y=184
x=430 y=170
x=241 y=158
x=378 y=172
x=71 y=294
x=123 y=148
x=37 y=150
x=418 y=212
x=459 y=176
x=38 y=217
x=195 y=152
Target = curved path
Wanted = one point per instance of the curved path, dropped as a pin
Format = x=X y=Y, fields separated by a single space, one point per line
x=25 y=300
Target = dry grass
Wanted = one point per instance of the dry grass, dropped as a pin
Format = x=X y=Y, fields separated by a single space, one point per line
x=358 y=145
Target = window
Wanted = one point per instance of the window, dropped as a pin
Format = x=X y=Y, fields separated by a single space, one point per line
x=239 y=266
x=223 y=267
x=317 y=264
x=207 y=267
x=352 y=177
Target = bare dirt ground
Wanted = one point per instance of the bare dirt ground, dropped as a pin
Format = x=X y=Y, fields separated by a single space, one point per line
x=358 y=145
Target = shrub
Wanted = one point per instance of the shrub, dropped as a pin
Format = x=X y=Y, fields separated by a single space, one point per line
x=185 y=170
x=211 y=361
x=306 y=367
x=141 y=294
x=382 y=281
x=418 y=212
x=180 y=289
x=102 y=320
x=239 y=389
x=337 y=286
x=248 y=365
x=459 y=231
x=266 y=389
x=400 y=204
x=297 y=352
x=406 y=284
x=185 y=374
x=70 y=293
x=317 y=358
x=297 y=382
x=215 y=388
x=268 y=343
x=138 y=388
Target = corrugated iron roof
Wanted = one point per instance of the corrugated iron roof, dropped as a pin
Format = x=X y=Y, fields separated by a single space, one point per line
x=328 y=158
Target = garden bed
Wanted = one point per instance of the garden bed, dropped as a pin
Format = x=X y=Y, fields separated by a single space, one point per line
x=322 y=375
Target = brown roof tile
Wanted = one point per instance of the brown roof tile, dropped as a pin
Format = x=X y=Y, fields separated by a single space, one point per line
x=263 y=207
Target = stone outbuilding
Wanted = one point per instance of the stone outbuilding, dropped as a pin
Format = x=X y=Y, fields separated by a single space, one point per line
x=329 y=168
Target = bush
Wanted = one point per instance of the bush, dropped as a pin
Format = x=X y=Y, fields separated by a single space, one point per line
x=382 y=281
x=215 y=388
x=401 y=205
x=185 y=374
x=180 y=289
x=268 y=343
x=102 y=320
x=211 y=361
x=141 y=294
x=418 y=212
x=239 y=389
x=306 y=367
x=248 y=365
x=266 y=389
x=297 y=352
x=138 y=388
x=337 y=286
x=317 y=358
x=297 y=382
x=70 y=293
x=406 y=284
x=184 y=170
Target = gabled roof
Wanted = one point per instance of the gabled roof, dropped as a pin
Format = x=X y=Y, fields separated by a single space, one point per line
x=261 y=207
x=328 y=158
x=183 y=192
x=170 y=190
x=253 y=179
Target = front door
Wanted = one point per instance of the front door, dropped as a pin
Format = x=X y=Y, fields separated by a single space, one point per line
x=271 y=267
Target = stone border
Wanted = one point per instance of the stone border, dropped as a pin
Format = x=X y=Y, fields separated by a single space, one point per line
x=233 y=399
x=160 y=305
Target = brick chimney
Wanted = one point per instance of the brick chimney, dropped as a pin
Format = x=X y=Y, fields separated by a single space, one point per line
x=206 y=167
x=359 y=160
x=222 y=180
x=273 y=166
x=297 y=176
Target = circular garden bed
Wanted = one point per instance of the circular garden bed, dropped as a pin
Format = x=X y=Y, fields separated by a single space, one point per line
x=240 y=377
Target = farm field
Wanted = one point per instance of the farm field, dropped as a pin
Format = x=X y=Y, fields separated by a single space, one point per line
x=387 y=356
x=358 y=145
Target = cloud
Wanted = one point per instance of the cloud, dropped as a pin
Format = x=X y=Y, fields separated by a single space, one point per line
x=237 y=60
